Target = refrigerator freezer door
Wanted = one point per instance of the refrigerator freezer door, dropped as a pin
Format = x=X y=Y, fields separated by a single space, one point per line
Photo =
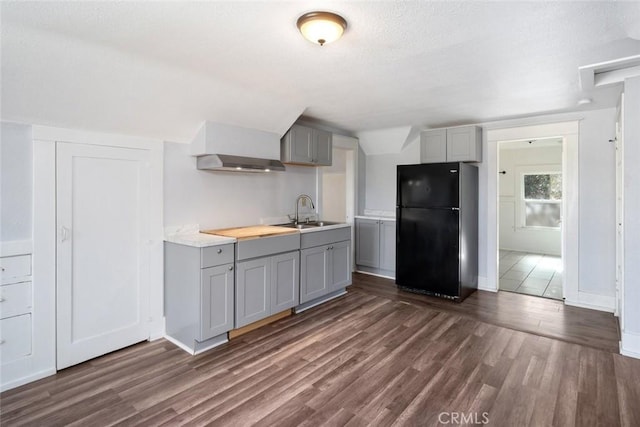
x=428 y=185
x=427 y=256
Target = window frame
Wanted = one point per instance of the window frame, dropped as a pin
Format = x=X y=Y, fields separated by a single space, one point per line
x=521 y=202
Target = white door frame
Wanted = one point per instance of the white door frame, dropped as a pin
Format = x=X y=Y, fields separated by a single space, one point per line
x=351 y=145
x=569 y=132
x=44 y=217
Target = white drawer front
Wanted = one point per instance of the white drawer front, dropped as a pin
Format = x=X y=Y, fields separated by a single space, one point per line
x=15 y=338
x=15 y=266
x=15 y=299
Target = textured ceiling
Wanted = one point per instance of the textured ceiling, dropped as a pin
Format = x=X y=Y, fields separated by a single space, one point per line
x=161 y=68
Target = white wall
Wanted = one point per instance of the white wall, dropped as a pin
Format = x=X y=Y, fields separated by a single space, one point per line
x=228 y=199
x=514 y=161
x=334 y=187
x=381 y=174
x=16 y=182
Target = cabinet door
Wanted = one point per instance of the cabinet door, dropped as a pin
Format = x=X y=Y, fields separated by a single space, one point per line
x=367 y=243
x=313 y=273
x=340 y=265
x=388 y=245
x=253 y=291
x=285 y=282
x=216 y=301
x=323 y=147
x=433 y=146
x=301 y=144
x=463 y=144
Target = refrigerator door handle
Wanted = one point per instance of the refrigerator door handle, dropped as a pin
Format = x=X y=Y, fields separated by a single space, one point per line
x=455 y=209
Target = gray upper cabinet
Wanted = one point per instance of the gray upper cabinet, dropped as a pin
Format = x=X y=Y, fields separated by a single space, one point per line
x=433 y=146
x=376 y=245
x=306 y=146
x=461 y=144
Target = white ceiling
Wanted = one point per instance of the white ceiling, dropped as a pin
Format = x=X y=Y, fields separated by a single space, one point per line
x=160 y=69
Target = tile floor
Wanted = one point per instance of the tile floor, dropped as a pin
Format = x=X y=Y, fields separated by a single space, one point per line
x=531 y=274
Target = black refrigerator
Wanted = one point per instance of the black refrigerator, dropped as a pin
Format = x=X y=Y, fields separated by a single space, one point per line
x=437 y=229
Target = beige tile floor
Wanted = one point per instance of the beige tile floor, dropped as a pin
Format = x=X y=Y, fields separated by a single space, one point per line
x=531 y=274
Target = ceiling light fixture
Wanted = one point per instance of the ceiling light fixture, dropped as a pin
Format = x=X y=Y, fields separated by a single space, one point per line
x=321 y=27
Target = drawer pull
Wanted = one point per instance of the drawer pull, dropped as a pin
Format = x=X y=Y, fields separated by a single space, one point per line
x=219 y=251
x=230 y=268
x=2 y=268
x=2 y=299
x=1 y=342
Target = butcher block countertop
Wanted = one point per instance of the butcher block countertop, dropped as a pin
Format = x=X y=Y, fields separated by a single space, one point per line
x=252 y=232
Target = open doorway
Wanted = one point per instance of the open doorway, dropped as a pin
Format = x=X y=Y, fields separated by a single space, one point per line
x=530 y=217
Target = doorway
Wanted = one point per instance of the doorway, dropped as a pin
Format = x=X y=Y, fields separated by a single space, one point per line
x=530 y=204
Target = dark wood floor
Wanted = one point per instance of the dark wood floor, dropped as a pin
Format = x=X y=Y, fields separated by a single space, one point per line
x=372 y=357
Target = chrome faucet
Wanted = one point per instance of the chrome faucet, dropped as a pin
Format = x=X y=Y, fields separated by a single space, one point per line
x=300 y=197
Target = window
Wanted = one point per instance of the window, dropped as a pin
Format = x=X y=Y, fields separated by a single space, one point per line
x=542 y=196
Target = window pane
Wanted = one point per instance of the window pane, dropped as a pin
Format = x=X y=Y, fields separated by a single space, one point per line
x=543 y=186
x=542 y=214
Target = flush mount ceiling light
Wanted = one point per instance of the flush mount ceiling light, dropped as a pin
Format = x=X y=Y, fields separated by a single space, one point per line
x=321 y=27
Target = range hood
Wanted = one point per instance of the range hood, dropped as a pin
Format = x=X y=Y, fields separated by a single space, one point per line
x=222 y=147
x=225 y=162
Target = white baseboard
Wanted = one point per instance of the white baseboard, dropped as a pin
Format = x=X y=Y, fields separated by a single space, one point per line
x=483 y=285
x=29 y=378
x=630 y=345
x=593 y=302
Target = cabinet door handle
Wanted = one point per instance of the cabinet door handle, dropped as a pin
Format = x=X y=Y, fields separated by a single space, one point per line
x=328 y=247
x=231 y=268
x=219 y=251
x=1 y=342
x=331 y=247
x=2 y=299
x=1 y=268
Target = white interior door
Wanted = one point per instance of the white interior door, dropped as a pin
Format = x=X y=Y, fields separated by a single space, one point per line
x=102 y=251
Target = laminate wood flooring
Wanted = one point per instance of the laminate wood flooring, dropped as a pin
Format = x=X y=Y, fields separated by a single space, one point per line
x=371 y=357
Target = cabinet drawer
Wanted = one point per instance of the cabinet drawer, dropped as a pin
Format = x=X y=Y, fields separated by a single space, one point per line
x=217 y=255
x=15 y=299
x=317 y=238
x=15 y=341
x=265 y=246
x=15 y=266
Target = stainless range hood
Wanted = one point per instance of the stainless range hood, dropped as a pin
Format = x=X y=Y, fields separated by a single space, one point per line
x=225 y=162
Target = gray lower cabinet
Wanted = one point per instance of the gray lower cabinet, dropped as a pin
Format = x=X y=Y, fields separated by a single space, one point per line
x=326 y=267
x=266 y=286
x=198 y=294
x=376 y=246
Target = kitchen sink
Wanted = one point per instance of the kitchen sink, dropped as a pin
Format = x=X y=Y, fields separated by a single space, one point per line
x=310 y=224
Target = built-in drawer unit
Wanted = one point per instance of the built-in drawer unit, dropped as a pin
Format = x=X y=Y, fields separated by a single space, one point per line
x=217 y=255
x=15 y=341
x=15 y=266
x=15 y=299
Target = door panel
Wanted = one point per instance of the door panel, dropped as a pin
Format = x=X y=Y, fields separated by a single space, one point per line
x=367 y=243
x=252 y=290
x=216 y=301
x=428 y=250
x=428 y=186
x=102 y=256
x=314 y=282
x=388 y=245
x=285 y=283
x=340 y=265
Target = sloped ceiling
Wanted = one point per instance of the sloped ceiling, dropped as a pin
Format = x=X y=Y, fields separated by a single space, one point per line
x=160 y=69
